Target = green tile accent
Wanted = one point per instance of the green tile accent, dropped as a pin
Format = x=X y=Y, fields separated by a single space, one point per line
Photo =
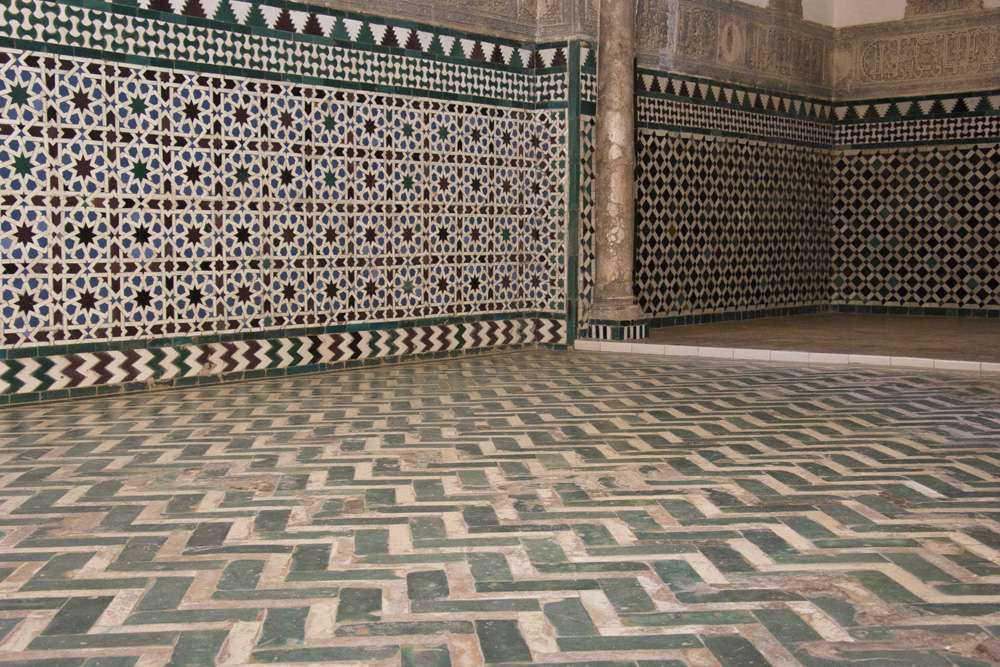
x=359 y=604
x=501 y=641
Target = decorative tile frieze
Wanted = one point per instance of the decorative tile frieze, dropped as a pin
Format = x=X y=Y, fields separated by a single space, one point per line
x=919 y=108
x=972 y=129
x=676 y=87
x=289 y=45
x=658 y=113
x=153 y=366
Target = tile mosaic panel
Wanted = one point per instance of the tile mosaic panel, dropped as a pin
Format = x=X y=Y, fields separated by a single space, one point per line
x=917 y=227
x=729 y=225
x=145 y=202
x=912 y=218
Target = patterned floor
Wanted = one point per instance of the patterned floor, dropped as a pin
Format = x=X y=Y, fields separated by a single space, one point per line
x=540 y=507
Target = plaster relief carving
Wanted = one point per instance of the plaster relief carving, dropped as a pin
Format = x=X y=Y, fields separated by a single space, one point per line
x=793 y=7
x=656 y=26
x=732 y=42
x=952 y=54
x=550 y=11
x=496 y=7
x=697 y=32
x=739 y=42
x=919 y=7
x=784 y=53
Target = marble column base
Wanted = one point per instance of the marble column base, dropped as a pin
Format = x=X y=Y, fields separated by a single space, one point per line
x=618 y=329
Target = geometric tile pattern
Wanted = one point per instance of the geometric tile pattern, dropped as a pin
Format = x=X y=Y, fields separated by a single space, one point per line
x=668 y=114
x=153 y=366
x=919 y=131
x=652 y=84
x=729 y=224
x=527 y=508
x=143 y=202
x=742 y=223
x=354 y=49
x=586 y=277
x=917 y=227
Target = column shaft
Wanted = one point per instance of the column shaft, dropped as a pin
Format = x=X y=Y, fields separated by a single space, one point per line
x=614 y=300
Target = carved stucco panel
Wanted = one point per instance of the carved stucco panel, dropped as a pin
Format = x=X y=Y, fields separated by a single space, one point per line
x=784 y=53
x=793 y=7
x=656 y=27
x=953 y=54
x=697 y=32
x=919 y=7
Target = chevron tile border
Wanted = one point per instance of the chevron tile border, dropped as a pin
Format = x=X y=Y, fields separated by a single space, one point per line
x=361 y=31
x=38 y=377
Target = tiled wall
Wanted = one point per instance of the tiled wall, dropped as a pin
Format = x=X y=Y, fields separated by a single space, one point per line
x=268 y=173
x=189 y=190
x=733 y=198
x=916 y=206
x=752 y=203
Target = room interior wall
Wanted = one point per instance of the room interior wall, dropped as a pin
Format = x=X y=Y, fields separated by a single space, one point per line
x=194 y=191
x=886 y=204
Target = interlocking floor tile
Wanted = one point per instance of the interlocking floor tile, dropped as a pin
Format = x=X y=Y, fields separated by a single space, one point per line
x=540 y=508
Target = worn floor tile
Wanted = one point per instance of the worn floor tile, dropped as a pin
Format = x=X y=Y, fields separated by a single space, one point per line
x=529 y=508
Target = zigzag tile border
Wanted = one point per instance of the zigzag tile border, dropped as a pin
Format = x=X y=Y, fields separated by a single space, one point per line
x=38 y=377
x=669 y=85
x=361 y=30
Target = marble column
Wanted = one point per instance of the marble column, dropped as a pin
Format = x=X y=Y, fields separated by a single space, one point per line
x=614 y=314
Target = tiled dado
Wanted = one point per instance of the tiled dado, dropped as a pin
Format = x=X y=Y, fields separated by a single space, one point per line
x=751 y=200
x=233 y=169
x=729 y=224
x=85 y=373
x=145 y=202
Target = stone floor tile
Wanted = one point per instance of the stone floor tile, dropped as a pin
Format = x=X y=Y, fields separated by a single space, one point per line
x=538 y=507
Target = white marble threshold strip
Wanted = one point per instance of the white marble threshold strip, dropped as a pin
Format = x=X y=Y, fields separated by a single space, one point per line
x=787 y=356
